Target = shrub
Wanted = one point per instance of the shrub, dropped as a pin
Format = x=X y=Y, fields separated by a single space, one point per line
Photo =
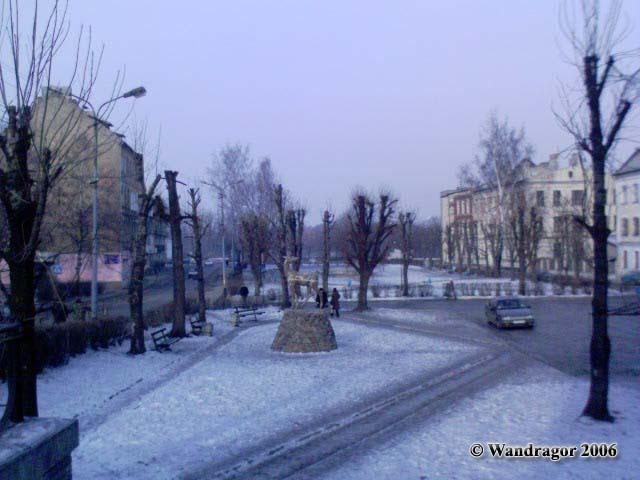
x=375 y=290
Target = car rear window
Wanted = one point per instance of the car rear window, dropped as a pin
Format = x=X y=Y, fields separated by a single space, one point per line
x=510 y=304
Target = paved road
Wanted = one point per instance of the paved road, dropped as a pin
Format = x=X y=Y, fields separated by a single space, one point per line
x=158 y=291
x=561 y=336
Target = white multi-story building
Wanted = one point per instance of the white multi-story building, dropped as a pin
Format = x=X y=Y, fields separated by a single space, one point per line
x=627 y=231
x=470 y=218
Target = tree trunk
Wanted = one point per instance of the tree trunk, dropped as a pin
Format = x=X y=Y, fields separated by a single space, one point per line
x=202 y=302
x=326 y=249
x=600 y=349
x=136 y=291
x=175 y=218
x=286 y=299
x=363 y=289
x=23 y=310
x=405 y=278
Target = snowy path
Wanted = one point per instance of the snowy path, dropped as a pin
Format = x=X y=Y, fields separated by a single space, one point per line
x=337 y=439
x=244 y=395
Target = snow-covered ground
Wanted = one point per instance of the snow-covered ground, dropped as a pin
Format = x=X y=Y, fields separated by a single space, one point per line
x=237 y=396
x=540 y=407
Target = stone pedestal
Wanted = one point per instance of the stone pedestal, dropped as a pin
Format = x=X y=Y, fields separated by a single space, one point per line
x=303 y=331
x=39 y=448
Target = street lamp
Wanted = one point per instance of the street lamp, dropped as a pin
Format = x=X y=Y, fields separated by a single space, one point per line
x=135 y=93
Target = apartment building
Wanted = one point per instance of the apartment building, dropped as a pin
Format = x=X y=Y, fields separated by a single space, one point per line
x=60 y=120
x=471 y=218
x=627 y=227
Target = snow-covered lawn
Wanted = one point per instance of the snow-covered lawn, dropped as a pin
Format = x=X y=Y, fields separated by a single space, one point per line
x=541 y=407
x=239 y=396
x=90 y=381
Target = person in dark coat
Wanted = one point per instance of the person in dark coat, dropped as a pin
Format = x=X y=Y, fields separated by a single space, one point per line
x=321 y=299
x=335 y=302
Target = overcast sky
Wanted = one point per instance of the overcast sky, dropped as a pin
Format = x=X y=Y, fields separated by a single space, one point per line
x=338 y=93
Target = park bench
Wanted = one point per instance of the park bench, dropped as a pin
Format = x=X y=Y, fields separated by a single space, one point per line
x=196 y=326
x=161 y=341
x=242 y=312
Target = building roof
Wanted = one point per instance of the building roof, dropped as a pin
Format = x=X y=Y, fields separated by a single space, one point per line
x=631 y=165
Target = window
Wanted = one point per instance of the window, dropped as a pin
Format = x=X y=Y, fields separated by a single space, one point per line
x=636 y=193
x=625 y=194
x=557 y=251
x=133 y=201
x=558 y=223
x=615 y=222
x=540 y=198
x=577 y=197
x=557 y=198
x=614 y=201
x=624 y=260
x=625 y=227
x=636 y=226
x=570 y=174
x=111 y=259
x=637 y=260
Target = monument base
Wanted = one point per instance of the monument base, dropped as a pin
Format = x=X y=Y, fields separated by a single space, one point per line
x=304 y=331
x=38 y=448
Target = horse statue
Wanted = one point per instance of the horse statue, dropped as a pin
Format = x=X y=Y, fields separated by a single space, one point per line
x=296 y=280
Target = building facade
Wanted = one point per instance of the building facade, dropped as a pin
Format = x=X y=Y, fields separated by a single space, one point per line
x=60 y=121
x=627 y=228
x=477 y=223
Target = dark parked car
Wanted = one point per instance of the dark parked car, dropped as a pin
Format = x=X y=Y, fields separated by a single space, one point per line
x=509 y=312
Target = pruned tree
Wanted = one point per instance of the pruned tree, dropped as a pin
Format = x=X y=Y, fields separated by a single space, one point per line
x=279 y=250
x=195 y=222
x=371 y=223
x=33 y=152
x=328 y=219
x=295 y=224
x=609 y=74
x=406 y=221
x=255 y=238
x=146 y=202
x=178 y=328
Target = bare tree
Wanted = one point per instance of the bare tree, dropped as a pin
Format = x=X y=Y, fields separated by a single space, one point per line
x=526 y=229
x=279 y=251
x=595 y=119
x=370 y=226
x=146 y=201
x=33 y=152
x=497 y=168
x=328 y=219
x=295 y=223
x=199 y=230
x=406 y=221
x=449 y=244
x=175 y=219
x=255 y=237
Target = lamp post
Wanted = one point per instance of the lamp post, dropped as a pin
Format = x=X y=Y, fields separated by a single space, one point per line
x=135 y=93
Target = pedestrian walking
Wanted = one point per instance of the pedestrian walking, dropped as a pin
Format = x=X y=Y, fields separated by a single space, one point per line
x=321 y=298
x=335 y=302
